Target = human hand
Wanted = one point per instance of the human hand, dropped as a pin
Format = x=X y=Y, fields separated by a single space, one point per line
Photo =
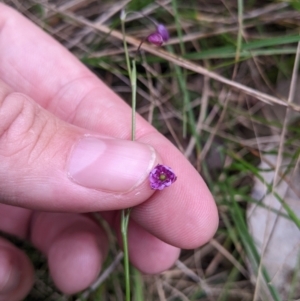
x=64 y=148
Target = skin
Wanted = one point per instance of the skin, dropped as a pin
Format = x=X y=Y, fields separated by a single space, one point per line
x=48 y=101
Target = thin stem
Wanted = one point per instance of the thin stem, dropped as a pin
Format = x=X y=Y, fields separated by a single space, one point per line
x=125 y=213
x=139 y=48
x=182 y=79
x=124 y=229
x=133 y=99
x=126 y=49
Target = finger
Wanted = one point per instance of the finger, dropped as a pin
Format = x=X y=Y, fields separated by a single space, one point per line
x=141 y=244
x=160 y=255
x=16 y=273
x=74 y=245
x=15 y=220
x=183 y=215
x=48 y=164
x=69 y=90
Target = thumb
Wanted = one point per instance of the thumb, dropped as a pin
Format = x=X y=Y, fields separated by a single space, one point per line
x=48 y=164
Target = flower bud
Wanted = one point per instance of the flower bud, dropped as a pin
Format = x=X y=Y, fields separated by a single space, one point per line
x=123 y=15
x=162 y=30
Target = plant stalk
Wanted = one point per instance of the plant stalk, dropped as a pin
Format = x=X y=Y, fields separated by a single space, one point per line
x=125 y=214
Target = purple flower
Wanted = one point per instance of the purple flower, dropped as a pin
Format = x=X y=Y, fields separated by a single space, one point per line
x=161 y=176
x=155 y=38
x=160 y=36
x=162 y=30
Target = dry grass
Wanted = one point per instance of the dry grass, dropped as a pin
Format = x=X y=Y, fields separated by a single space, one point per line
x=223 y=110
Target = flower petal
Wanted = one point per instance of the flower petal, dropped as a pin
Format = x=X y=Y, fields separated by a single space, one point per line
x=159 y=183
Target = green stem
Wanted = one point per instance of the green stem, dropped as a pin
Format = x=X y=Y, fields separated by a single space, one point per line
x=124 y=229
x=133 y=99
x=126 y=49
x=125 y=213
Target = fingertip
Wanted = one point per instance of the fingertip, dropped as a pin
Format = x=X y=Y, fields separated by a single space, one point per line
x=210 y=223
x=197 y=223
x=147 y=253
x=185 y=214
x=75 y=246
x=154 y=259
x=74 y=261
x=201 y=235
x=16 y=273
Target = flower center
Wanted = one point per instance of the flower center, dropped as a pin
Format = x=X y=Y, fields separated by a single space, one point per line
x=162 y=176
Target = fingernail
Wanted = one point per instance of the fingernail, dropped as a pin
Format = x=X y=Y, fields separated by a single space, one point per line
x=110 y=164
x=9 y=272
